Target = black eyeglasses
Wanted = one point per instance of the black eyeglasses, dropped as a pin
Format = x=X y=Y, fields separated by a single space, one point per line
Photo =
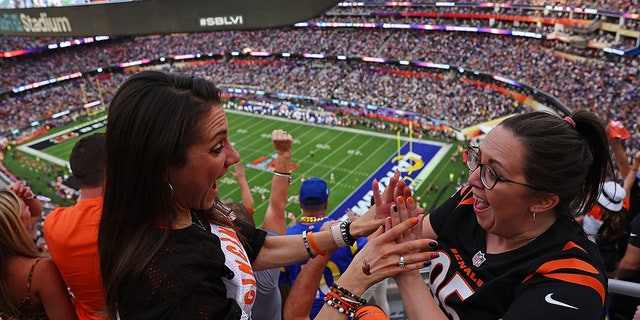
x=488 y=175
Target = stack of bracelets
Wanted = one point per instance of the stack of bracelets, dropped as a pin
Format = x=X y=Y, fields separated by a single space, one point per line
x=341 y=237
x=343 y=300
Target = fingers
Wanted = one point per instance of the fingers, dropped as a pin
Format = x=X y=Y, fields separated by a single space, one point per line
x=352 y=215
x=399 y=189
x=279 y=134
x=406 y=191
x=238 y=170
x=388 y=195
x=282 y=140
x=403 y=214
x=384 y=254
x=396 y=231
x=381 y=257
x=416 y=231
x=395 y=215
x=415 y=261
x=20 y=190
x=406 y=211
x=377 y=197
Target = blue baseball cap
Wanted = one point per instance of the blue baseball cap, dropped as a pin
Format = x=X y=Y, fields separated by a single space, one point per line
x=313 y=191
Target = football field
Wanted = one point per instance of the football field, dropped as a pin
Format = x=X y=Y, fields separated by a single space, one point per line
x=348 y=159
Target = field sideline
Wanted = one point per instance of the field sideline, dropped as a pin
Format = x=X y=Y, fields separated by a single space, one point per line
x=354 y=157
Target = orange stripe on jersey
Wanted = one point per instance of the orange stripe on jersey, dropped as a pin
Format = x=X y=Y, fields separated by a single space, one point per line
x=549 y=269
x=571 y=263
x=467 y=196
x=580 y=279
x=571 y=245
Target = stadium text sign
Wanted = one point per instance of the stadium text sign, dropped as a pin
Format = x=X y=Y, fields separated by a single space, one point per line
x=221 y=21
x=43 y=23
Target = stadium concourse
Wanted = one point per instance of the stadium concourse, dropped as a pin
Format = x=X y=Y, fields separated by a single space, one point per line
x=578 y=77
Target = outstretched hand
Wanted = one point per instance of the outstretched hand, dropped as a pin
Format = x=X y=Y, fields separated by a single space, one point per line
x=384 y=202
x=380 y=257
x=405 y=209
x=386 y=199
x=239 y=172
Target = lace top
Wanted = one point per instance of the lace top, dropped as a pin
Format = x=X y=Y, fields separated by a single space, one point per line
x=185 y=279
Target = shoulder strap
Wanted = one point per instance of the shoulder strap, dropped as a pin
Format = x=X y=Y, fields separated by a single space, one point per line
x=27 y=298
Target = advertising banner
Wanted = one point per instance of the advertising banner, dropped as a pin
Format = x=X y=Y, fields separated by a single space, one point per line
x=158 y=17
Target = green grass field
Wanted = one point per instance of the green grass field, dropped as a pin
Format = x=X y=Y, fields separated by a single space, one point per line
x=352 y=156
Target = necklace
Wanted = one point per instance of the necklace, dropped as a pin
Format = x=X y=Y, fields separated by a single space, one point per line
x=196 y=221
x=224 y=210
x=306 y=219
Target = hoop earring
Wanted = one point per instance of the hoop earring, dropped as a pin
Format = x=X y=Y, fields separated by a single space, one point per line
x=534 y=217
x=171 y=189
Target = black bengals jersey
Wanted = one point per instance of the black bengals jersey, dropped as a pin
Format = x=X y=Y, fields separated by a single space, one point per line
x=559 y=275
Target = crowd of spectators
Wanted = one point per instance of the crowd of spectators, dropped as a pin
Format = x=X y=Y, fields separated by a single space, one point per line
x=630 y=6
x=597 y=84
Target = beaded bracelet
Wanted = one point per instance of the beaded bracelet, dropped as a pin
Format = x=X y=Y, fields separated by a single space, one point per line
x=314 y=245
x=349 y=236
x=344 y=230
x=306 y=244
x=332 y=300
x=337 y=236
x=342 y=292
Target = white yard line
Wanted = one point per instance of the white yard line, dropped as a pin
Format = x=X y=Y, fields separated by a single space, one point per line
x=25 y=147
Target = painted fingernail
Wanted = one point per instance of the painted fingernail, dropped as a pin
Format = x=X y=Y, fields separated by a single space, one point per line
x=410 y=200
x=426 y=264
x=414 y=220
x=394 y=208
x=434 y=255
x=433 y=244
x=401 y=200
x=389 y=219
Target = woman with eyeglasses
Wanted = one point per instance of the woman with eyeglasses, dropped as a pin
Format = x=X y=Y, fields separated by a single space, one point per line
x=168 y=247
x=508 y=244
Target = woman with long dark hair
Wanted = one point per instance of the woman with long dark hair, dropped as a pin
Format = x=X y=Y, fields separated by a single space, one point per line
x=169 y=249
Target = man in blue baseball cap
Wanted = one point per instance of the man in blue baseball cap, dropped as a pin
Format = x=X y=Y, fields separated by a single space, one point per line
x=314 y=200
x=314 y=192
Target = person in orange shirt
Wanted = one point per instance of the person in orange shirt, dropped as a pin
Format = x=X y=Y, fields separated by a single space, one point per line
x=71 y=233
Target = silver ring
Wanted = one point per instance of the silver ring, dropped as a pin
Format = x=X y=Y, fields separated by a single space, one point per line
x=401 y=263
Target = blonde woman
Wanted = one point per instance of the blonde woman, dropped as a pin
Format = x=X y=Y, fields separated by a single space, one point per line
x=32 y=287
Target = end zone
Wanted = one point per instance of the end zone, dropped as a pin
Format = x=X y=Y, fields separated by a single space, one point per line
x=415 y=163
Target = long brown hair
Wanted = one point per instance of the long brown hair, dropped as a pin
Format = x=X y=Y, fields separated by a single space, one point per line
x=14 y=241
x=153 y=119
